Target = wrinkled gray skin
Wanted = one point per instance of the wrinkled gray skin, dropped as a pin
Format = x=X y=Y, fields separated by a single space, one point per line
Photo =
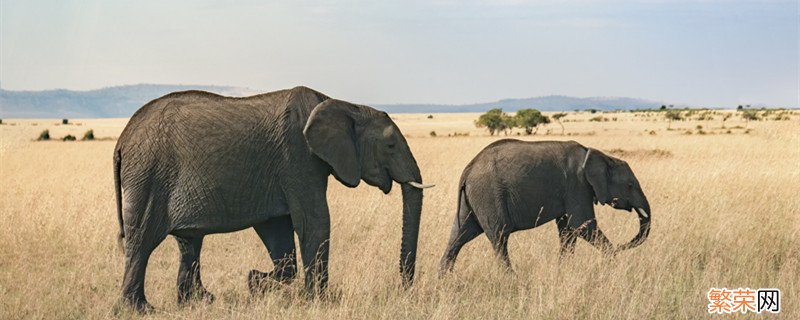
x=515 y=185
x=195 y=163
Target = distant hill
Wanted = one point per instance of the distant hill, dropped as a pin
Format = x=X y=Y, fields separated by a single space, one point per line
x=111 y=102
x=123 y=101
x=547 y=103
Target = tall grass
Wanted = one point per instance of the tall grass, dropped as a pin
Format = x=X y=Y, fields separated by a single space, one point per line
x=725 y=214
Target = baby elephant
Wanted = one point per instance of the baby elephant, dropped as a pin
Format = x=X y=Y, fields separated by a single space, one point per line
x=516 y=185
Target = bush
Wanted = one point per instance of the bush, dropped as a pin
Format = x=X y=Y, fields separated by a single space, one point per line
x=44 y=136
x=430 y=116
x=598 y=119
x=433 y=134
x=89 y=135
x=64 y=121
x=68 y=137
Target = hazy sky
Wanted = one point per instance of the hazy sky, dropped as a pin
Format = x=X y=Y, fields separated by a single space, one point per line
x=703 y=52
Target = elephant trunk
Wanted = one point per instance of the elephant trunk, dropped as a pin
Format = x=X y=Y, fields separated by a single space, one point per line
x=644 y=215
x=412 y=209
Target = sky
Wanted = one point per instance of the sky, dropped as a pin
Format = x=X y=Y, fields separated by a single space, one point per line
x=713 y=53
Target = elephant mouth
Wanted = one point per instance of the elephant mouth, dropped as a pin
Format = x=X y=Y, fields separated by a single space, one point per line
x=620 y=204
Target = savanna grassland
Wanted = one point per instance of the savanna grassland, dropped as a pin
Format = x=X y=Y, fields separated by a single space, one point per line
x=726 y=213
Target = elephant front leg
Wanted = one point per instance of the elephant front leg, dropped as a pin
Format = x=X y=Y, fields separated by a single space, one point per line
x=567 y=237
x=592 y=234
x=313 y=230
x=314 y=247
x=277 y=234
x=190 y=287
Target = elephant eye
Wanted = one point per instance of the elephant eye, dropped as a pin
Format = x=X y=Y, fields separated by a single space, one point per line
x=630 y=184
x=391 y=145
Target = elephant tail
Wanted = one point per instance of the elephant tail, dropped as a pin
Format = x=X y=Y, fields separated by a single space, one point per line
x=118 y=191
x=463 y=204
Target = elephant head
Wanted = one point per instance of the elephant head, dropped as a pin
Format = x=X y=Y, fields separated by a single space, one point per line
x=361 y=143
x=615 y=184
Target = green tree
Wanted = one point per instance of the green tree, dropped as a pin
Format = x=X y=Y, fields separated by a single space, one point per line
x=672 y=115
x=557 y=117
x=530 y=119
x=508 y=123
x=493 y=120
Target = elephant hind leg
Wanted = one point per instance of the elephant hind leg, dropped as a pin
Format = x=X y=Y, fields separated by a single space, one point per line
x=144 y=231
x=277 y=234
x=190 y=287
x=458 y=238
x=499 y=240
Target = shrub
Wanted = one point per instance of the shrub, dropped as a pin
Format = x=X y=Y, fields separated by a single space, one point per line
x=89 y=135
x=64 y=121
x=598 y=119
x=44 y=136
x=699 y=127
x=749 y=115
x=430 y=116
x=68 y=137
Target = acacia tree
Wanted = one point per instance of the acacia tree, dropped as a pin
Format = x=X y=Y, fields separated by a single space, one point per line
x=530 y=119
x=748 y=115
x=672 y=115
x=507 y=124
x=725 y=118
x=494 y=120
x=557 y=117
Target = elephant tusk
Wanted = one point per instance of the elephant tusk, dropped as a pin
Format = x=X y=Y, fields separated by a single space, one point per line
x=642 y=212
x=420 y=186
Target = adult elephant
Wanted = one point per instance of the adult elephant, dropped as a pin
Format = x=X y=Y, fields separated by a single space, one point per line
x=515 y=185
x=195 y=163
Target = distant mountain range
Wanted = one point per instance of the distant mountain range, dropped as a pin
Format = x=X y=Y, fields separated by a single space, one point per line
x=123 y=101
x=546 y=103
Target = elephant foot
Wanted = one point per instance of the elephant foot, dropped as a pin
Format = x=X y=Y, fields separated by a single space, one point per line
x=138 y=305
x=198 y=294
x=261 y=282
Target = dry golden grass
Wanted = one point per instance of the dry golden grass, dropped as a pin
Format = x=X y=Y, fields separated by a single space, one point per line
x=726 y=214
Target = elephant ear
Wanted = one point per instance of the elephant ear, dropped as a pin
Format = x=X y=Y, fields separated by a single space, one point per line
x=595 y=168
x=330 y=134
